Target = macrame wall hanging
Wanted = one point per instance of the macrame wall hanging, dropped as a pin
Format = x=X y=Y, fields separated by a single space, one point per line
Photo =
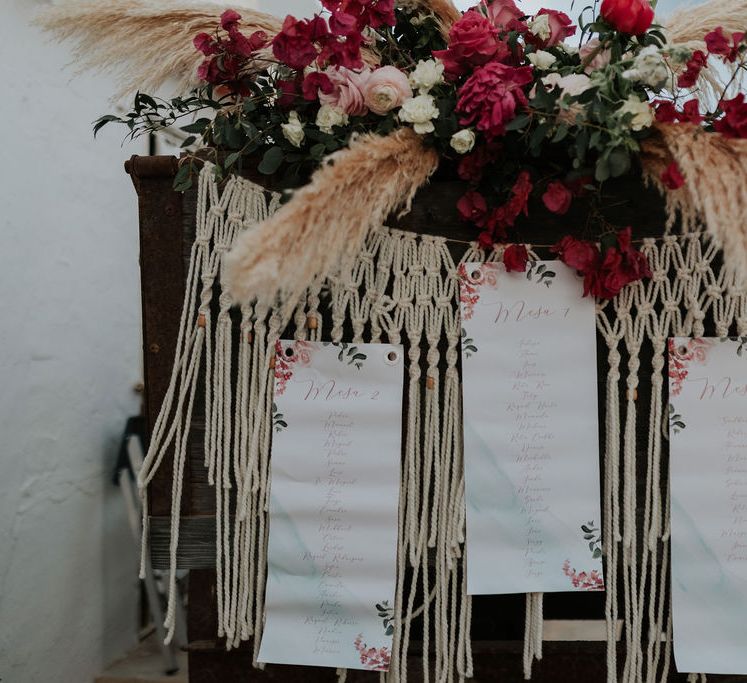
x=404 y=288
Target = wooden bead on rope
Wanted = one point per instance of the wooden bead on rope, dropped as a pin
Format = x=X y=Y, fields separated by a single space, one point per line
x=430 y=383
x=201 y=322
x=311 y=322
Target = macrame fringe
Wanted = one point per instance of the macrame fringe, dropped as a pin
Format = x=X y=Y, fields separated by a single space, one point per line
x=325 y=224
x=714 y=196
x=403 y=288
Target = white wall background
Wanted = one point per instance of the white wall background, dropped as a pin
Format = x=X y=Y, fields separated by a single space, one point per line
x=69 y=359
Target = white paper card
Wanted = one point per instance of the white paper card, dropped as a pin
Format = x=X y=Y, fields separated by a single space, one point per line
x=335 y=479
x=708 y=464
x=531 y=438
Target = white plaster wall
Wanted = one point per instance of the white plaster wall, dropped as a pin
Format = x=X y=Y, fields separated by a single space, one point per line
x=69 y=358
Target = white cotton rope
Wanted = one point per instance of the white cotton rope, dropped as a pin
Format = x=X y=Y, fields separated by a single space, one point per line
x=404 y=288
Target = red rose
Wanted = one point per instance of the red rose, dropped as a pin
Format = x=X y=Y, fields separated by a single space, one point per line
x=557 y=198
x=470 y=168
x=689 y=77
x=295 y=44
x=733 y=124
x=628 y=16
x=561 y=27
x=515 y=258
x=580 y=255
x=718 y=43
x=473 y=208
x=490 y=96
x=672 y=177
x=473 y=41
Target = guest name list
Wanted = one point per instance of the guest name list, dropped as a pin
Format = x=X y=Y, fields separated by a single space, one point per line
x=708 y=462
x=531 y=433
x=333 y=508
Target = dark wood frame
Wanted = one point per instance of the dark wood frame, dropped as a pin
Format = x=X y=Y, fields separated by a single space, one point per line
x=165 y=226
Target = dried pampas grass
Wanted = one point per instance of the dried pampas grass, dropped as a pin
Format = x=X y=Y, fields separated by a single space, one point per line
x=323 y=227
x=144 y=42
x=688 y=26
x=714 y=195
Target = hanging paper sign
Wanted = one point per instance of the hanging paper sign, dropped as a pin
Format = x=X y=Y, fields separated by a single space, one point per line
x=531 y=440
x=708 y=463
x=334 y=494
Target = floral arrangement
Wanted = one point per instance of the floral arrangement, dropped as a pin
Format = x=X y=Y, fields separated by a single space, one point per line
x=515 y=105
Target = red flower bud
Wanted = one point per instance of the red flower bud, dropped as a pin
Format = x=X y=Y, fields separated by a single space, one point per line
x=557 y=198
x=515 y=258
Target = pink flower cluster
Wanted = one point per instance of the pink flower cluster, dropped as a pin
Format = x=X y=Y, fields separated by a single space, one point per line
x=372 y=658
x=590 y=581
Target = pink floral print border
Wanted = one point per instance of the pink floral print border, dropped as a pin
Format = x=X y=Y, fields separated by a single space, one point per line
x=681 y=355
x=471 y=282
x=285 y=362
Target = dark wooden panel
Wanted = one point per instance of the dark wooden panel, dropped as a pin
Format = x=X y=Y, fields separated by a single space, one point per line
x=162 y=293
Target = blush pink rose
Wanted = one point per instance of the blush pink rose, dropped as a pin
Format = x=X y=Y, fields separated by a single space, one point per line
x=385 y=89
x=561 y=27
x=593 y=57
x=347 y=91
x=490 y=97
x=505 y=15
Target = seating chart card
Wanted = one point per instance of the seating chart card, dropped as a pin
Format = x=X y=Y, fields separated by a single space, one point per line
x=335 y=479
x=708 y=463
x=531 y=438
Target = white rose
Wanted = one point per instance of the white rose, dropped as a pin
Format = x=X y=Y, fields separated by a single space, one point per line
x=427 y=74
x=420 y=111
x=649 y=68
x=572 y=84
x=568 y=49
x=540 y=26
x=328 y=116
x=541 y=59
x=642 y=115
x=293 y=130
x=463 y=141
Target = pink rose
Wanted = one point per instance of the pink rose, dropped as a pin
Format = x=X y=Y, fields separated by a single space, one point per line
x=385 y=89
x=347 y=92
x=561 y=27
x=600 y=58
x=490 y=96
x=505 y=15
x=473 y=41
